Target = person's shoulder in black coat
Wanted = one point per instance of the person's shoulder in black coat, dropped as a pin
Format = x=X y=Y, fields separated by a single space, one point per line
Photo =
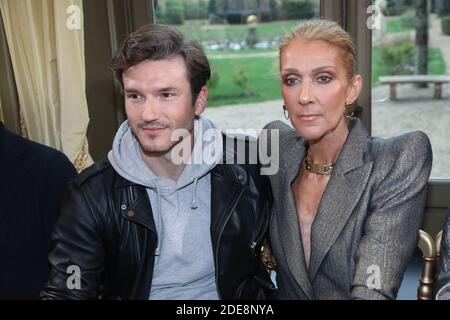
x=33 y=179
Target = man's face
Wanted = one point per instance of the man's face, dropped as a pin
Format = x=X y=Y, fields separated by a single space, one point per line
x=158 y=100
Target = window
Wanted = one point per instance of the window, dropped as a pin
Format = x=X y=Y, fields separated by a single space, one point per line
x=400 y=48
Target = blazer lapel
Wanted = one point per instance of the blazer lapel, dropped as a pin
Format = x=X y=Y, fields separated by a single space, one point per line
x=341 y=195
x=288 y=222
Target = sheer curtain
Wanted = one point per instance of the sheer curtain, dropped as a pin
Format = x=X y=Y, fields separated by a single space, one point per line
x=46 y=43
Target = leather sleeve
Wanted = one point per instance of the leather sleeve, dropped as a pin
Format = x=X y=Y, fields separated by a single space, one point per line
x=77 y=252
x=261 y=287
x=58 y=172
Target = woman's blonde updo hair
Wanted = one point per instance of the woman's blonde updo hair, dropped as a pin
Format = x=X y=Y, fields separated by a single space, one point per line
x=328 y=31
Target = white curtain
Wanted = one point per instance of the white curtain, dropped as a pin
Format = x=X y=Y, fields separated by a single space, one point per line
x=46 y=43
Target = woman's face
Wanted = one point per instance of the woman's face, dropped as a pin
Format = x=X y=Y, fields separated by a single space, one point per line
x=315 y=87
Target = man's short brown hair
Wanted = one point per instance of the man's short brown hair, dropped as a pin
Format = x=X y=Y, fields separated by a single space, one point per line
x=160 y=42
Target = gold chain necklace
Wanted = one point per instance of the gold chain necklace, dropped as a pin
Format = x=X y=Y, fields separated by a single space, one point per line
x=324 y=169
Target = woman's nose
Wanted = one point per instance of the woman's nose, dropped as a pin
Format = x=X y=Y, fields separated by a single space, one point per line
x=306 y=95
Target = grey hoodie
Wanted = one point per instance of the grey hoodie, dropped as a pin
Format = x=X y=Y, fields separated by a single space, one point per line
x=184 y=264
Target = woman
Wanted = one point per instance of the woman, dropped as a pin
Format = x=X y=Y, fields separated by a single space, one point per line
x=347 y=207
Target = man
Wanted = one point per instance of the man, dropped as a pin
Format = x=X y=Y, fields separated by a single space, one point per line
x=33 y=178
x=164 y=218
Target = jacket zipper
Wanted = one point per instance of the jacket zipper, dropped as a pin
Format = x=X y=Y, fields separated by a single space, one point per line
x=222 y=228
x=261 y=232
x=136 y=236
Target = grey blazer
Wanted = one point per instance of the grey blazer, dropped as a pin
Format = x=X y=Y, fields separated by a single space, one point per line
x=366 y=227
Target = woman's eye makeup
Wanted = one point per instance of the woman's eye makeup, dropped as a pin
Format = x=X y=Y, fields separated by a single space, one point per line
x=324 y=78
x=291 y=80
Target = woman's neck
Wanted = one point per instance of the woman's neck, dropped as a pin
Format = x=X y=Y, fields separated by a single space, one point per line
x=326 y=150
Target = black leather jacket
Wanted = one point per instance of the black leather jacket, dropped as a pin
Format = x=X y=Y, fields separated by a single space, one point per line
x=107 y=230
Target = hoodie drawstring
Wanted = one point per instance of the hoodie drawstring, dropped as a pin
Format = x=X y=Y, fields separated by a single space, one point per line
x=159 y=228
x=194 y=195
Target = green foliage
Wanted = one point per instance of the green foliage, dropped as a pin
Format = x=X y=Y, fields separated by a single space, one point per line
x=159 y=15
x=263 y=82
x=436 y=64
x=203 y=9
x=394 y=8
x=408 y=19
x=240 y=78
x=396 y=25
x=174 y=13
x=399 y=57
x=213 y=80
x=196 y=9
x=297 y=9
x=265 y=31
x=445 y=23
x=443 y=7
x=212 y=6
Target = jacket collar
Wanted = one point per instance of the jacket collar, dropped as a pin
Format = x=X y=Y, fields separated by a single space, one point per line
x=137 y=208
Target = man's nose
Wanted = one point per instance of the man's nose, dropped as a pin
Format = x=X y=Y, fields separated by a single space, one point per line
x=151 y=111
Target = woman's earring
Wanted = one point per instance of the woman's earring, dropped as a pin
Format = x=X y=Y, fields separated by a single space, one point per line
x=348 y=111
x=285 y=112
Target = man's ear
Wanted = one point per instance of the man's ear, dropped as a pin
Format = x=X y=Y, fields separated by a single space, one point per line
x=354 y=89
x=200 y=103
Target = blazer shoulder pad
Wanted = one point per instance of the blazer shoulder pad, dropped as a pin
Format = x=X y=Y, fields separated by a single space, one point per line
x=415 y=142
